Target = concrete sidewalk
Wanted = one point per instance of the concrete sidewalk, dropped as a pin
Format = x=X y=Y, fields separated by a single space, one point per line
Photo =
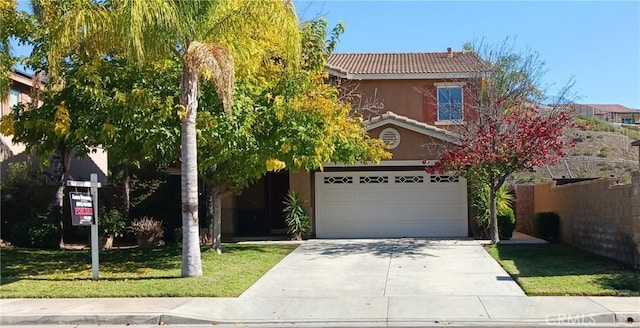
x=345 y=311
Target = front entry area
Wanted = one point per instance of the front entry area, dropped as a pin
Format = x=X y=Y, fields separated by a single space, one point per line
x=384 y=204
x=258 y=210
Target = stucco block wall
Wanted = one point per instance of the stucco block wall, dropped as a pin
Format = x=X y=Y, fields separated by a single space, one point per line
x=524 y=209
x=635 y=216
x=596 y=215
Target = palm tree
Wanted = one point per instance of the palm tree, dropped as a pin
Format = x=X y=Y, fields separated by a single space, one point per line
x=212 y=39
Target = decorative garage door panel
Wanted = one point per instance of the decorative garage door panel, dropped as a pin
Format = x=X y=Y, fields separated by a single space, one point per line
x=390 y=204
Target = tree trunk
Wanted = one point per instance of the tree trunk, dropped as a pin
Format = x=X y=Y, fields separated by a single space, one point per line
x=127 y=190
x=60 y=170
x=57 y=209
x=214 y=212
x=217 y=221
x=495 y=237
x=191 y=261
x=210 y=210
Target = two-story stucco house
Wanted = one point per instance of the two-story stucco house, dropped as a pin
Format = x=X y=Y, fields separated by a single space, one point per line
x=425 y=97
x=22 y=91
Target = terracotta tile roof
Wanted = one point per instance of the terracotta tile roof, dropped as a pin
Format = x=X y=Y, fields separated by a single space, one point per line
x=611 y=108
x=406 y=63
x=417 y=125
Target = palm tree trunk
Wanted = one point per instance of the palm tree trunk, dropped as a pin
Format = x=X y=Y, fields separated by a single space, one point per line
x=191 y=261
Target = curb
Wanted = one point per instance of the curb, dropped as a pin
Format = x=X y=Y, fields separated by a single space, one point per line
x=91 y=319
x=580 y=320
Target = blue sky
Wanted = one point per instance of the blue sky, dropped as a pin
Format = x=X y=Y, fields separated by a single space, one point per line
x=598 y=43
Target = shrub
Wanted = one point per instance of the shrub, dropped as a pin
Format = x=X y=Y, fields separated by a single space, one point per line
x=481 y=200
x=295 y=217
x=111 y=223
x=36 y=233
x=148 y=232
x=506 y=223
x=604 y=152
x=546 y=225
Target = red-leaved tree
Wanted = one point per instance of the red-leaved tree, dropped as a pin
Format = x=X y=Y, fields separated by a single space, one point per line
x=511 y=131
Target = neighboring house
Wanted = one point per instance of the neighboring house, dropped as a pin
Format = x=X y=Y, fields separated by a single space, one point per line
x=22 y=91
x=611 y=113
x=425 y=96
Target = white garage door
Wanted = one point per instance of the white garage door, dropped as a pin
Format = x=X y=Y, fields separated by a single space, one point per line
x=390 y=204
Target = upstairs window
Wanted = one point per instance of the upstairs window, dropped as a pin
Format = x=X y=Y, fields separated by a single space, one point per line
x=450 y=104
x=15 y=97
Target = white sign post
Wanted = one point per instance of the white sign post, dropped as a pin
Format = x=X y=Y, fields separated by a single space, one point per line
x=93 y=185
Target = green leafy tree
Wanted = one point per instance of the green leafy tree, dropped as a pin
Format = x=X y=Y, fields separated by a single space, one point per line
x=293 y=119
x=14 y=25
x=119 y=107
x=134 y=107
x=211 y=39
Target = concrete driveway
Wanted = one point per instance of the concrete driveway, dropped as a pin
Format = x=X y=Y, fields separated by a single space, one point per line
x=386 y=267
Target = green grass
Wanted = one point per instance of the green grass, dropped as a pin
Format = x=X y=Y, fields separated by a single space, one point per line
x=134 y=272
x=557 y=269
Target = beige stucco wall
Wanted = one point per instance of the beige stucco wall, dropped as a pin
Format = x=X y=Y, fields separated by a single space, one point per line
x=301 y=183
x=415 y=99
x=595 y=215
x=413 y=145
x=403 y=97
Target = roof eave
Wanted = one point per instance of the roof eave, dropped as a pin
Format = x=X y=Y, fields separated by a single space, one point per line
x=410 y=76
x=438 y=134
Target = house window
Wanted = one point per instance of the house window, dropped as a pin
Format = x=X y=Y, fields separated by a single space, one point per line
x=15 y=97
x=450 y=103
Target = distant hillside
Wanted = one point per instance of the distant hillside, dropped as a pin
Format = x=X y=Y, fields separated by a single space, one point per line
x=602 y=151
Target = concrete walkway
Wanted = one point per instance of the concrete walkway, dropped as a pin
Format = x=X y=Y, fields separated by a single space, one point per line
x=386 y=267
x=381 y=311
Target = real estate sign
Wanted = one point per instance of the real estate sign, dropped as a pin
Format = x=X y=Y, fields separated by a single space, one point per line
x=81 y=208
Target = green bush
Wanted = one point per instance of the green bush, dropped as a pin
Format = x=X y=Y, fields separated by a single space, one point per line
x=295 y=217
x=546 y=225
x=36 y=233
x=481 y=196
x=506 y=224
x=111 y=222
x=604 y=152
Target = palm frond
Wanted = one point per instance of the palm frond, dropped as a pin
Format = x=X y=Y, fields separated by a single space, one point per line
x=215 y=64
x=148 y=29
x=269 y=28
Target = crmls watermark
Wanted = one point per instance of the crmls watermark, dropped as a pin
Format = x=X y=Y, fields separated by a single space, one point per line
x=564 y=318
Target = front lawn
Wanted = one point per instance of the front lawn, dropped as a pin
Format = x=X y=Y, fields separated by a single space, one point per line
x=557 y=269
x=134 y=272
